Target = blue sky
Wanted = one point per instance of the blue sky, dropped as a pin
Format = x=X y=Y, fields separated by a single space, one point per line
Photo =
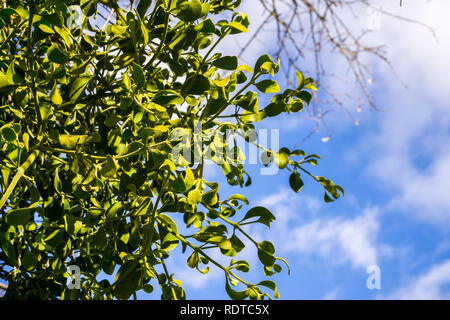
x=394 y=167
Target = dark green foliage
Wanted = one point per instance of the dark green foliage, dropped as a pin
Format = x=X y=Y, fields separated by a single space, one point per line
x=89 y=120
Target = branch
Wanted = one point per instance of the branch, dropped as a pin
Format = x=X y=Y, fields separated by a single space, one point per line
x=19 y=174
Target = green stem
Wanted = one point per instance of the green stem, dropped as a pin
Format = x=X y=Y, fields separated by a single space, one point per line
x=59 y=150
x=237 y=226
x=223 y=35
x=200 y=251
x=148 y=246
x=31 y=66
x=20 y=172
x=12 y=34
x=174 y=295
x=163 y=39
x=252 y=80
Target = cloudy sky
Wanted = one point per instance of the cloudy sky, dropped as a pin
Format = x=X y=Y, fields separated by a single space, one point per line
x=394 y=167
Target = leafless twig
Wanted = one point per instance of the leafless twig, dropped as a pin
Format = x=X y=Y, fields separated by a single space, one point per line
x=309 y=32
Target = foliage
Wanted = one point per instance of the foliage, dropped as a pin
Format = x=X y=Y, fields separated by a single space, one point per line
x=89 y=119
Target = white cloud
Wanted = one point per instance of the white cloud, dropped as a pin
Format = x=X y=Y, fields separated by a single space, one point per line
x=339 y=240
x=427 y=286
x=194 y=280
x=408 y=154
x=332 y=295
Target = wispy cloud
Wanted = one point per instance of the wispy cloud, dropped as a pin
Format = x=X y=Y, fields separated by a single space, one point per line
x=429 y=285
x=408 y=153
x=333 y=294
x=340 y=240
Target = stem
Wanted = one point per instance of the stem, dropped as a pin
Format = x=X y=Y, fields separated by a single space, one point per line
x=237 y=226
x=222 y=36
x=174 y=295
x=92 y=156
x=154 y=212
x=20 y=172
x=252 y=80
x=200 y=251
x=256 y=144
x=163 y=39
x=31 y=65
x=13 y=33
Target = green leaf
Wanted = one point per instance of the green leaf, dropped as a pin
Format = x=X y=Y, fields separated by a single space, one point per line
x=189 y=179
x=168 y=222
x=190 y=11
x=237 y=26
x=226 y=63
x=305 y=96
x=55 y=96
x=281 y=159
x=225 y=245
x=143 y=6
x=271 y=285
x=8 y=133
x=109 y=168
x=300 y=79
x=268 y=86
x=235 y=295
x=88 y=7
x=169 y=242
x=327 y=198
x=297 y=153
x=168 y=165
x=77 y=88
x=55 y=54
x=5 y=81
x=265 y=253
x=275 y=108
x=239 y=197
x=265 y=59
x=64 y=34
x=193 y=260
x=167 y=97
x=54 y=238
x=70 y=142
x=138 y=75
x=132 y=147
x=212 y=233
x=195 y=84
x=127 y=280
x=148 y=288
x=249 y=101
x=206 y=26
x=242 y=265
x=8 y=249
x=195 y=196
x=311 y=86
x=29 y=261
x=265 y=216
x=295 y=181
x=210 y=197
x=18 y=217
x=244 y=68
x=46 y=29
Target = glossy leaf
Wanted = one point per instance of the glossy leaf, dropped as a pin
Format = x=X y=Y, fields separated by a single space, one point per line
x=226 y=63
x=264 y=215
x=268 y=86
x=295 y=181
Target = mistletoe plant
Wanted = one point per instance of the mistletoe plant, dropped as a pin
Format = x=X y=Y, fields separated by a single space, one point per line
x=90 y=117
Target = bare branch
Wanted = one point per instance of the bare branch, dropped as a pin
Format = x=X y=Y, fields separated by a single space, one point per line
x=309 y=32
